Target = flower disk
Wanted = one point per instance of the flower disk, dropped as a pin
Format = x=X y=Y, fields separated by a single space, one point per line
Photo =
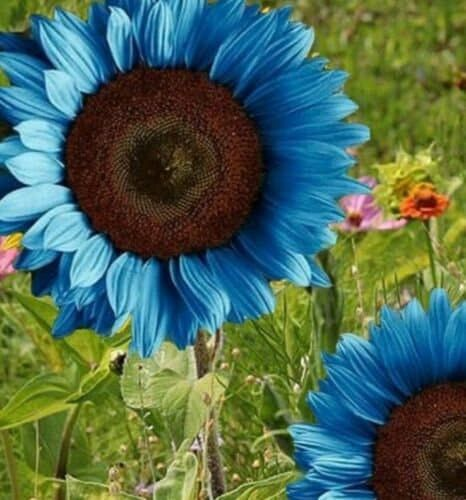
x=421 y=451
x=172 y=163
x=169 y=159
x=392 y=414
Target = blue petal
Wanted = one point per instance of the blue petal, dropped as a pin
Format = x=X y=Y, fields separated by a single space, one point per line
x=418 y=325
x=284 y=53
x=439 y=314
x=44 y=278
x=361 y=356
x=36 y=168
x=193 y=281
x=91 y=261
x=93 y=39
x=41 y=135
x=24 y=71
x=293 y=90
x=29 y=202
x=99 y=316
x=333 y=415
x=398 y=352
x=228 y=65
x=11 y=42
x=313 y=441
x=293 y=236
x=350 y=494
x=67 y=232
x=98 y=18
x=318 y=276
x=18 y=105
x=276 y=263
x=71 y=53
x=454 y=357
x=123 y=279
x=68 y=320
x=62 y=93
x=342 y=470
x=34 y=237
x=11 y=146
x=128 y=6
x=120 y=39
x=248 y=290
x=150 y=321
x=302 y=206
x=217 y=22
x=186 y=16
x=31 y=260
x=155 y=33
x=361 y=399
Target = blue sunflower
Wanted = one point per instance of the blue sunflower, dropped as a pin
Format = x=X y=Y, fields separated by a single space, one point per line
x=392 y=412
x=169 y=159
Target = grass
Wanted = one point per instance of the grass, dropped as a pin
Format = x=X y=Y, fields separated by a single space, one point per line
x=405 y=59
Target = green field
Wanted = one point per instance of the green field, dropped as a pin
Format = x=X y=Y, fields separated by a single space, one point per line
x=407 y=61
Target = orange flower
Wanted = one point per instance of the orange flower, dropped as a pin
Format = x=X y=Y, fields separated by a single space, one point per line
x=423 y=202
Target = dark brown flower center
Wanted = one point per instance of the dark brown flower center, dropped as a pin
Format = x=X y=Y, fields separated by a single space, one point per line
x=421 y=452
x=165 y=162
x=355 y=219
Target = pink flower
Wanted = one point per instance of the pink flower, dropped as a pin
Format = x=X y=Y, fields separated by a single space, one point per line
x=363 y=213
x=7 y=257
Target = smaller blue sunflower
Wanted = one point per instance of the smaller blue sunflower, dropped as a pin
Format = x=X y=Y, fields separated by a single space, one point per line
x=391 y=413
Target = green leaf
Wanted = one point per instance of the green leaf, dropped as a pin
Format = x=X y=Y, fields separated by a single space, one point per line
x=41 y=311
x=183 y=401
x=43 y=396
x=180 y=483
x=81 y=490
x=272 y=488
x=49 y=433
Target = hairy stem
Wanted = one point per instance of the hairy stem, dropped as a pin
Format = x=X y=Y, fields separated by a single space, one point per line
x=11 y=465
x=64 y=453
x=204 y=361
x=431 y=252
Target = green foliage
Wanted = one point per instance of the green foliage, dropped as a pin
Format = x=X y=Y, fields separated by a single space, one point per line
x=181 y=399
x=43 y=396
x=272 y=488
x=86 y=490
x=180 y=483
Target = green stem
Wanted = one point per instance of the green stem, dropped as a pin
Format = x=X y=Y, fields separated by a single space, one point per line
x=204 y=361
x=64 y=453
x=11 y=465
x=431 y=252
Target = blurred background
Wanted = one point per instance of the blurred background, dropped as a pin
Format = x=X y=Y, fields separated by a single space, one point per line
x=407 y=66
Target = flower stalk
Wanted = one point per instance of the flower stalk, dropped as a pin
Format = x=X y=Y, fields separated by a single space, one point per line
x=204 y=362
x=63 y=456
x=10 y=461
x=431 y=252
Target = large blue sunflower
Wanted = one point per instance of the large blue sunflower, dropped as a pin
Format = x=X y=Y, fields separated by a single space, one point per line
x=169 y=159
x=392 y=412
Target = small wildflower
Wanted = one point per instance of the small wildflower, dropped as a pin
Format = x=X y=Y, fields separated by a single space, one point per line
x=9 y=251
x=424 y=202
x=236 y=352
x=256 y=464
x=363 y=214
x=250 y=379
x=236 y=478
